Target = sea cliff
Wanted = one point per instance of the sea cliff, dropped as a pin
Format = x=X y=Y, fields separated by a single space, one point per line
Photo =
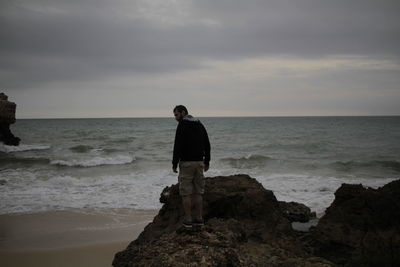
x=7 y=117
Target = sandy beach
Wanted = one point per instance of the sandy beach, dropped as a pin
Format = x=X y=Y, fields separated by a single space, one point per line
x=69 y=238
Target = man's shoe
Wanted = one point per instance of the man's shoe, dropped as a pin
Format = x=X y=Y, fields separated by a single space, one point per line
x=187 y=224
x=198 y=223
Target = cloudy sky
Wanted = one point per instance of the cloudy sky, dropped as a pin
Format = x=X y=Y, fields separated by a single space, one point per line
x=140 y=58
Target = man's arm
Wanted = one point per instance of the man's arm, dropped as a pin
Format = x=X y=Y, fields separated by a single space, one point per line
x=207 y=149
x=177 y=148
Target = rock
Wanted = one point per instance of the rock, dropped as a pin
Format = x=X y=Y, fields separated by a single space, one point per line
x=3 y=97
x=361 y=227
x=7 y=109
x=305 y=227
x=7 y=117
x=296 y=212
x=244 y=227
x=239 y=197
x=222 y=242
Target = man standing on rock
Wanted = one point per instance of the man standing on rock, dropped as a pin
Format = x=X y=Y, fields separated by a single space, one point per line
x=192 y=152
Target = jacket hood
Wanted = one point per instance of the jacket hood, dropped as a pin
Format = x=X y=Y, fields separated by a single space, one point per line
x=190 y=118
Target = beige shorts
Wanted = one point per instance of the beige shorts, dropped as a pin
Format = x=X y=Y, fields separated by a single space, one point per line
x=191 y=178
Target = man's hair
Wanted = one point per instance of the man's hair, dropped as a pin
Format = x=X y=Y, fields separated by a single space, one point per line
x=181 y=108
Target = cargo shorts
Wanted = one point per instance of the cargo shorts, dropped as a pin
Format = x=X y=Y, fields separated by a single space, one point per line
x=191 y=178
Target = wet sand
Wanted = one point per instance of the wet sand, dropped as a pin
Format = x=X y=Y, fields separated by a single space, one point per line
x=68 y=238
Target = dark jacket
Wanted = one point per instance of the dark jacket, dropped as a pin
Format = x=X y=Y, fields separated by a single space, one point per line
x=191 y=142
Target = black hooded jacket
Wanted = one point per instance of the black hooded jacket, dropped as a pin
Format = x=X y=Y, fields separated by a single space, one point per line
x=191 y=142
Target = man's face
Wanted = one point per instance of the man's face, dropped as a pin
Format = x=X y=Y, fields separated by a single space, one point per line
x=179 y=115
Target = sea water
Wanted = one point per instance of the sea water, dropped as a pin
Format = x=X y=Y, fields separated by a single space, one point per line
x=126 y=162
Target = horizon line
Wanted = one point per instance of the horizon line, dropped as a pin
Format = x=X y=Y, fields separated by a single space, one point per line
x=239 y=116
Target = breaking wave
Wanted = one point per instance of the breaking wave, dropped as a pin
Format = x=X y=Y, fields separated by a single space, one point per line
x=81 y=148
x=96 y=161
x=247 y=161
x=22 y=147
x=374 y=164
x=24 y=161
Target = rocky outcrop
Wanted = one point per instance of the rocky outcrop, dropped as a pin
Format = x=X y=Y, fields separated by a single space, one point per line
x=7 y=117
x=222 y=242
x=247 y=226
x=244 y=227
x=361 y=227
x=238 y=197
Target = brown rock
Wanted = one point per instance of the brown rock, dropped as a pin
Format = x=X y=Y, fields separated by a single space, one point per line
x=239 y=196
x=296 y=212
x=244 y=227
x=7 y=117
x=3 y=96
x=222 y=242
x=361 y=227
x=7 y=110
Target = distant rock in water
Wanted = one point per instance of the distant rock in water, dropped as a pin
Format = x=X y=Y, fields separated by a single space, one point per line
x=296 y=212
x=361 y=227
x=244 y=226
x=7 y=117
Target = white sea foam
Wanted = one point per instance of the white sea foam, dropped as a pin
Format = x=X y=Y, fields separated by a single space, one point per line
x=31 y=193
x=95 y=161
x=23 y=147
x=316 y=192
x=26 y=191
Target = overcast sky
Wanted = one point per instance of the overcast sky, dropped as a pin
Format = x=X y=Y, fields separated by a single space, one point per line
x=140 y=58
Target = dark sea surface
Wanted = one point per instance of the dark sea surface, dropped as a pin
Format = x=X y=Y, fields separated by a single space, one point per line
x=126 y=162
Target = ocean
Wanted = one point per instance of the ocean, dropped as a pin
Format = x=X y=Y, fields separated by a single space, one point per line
x=116 y=163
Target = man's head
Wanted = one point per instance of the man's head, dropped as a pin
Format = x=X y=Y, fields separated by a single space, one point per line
x=180 y=111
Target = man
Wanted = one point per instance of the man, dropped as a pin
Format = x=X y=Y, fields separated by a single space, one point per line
x=192 y=152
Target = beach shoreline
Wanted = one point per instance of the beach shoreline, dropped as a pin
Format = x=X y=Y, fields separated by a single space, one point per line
x=77 y=237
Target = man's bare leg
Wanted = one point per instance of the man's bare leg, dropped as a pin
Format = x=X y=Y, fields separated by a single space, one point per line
x=198 y=207
x=187 y=207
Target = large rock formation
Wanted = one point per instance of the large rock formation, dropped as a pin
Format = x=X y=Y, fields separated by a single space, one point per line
x=7 y=117
x=244 y=227
x=361 y=227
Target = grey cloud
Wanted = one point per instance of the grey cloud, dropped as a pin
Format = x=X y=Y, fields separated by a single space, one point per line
x=76 y=40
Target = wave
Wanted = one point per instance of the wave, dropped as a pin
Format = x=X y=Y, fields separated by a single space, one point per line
x=247 y=161
x=24 y=161
x=374 y=164
x=96 y=161
x=22 y=147
x=110 y=150
x=121 y=140
x=310 y=148
x=81 y=148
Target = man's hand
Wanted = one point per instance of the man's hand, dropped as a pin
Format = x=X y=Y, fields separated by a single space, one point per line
x=206 y=167
x=175 y=170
